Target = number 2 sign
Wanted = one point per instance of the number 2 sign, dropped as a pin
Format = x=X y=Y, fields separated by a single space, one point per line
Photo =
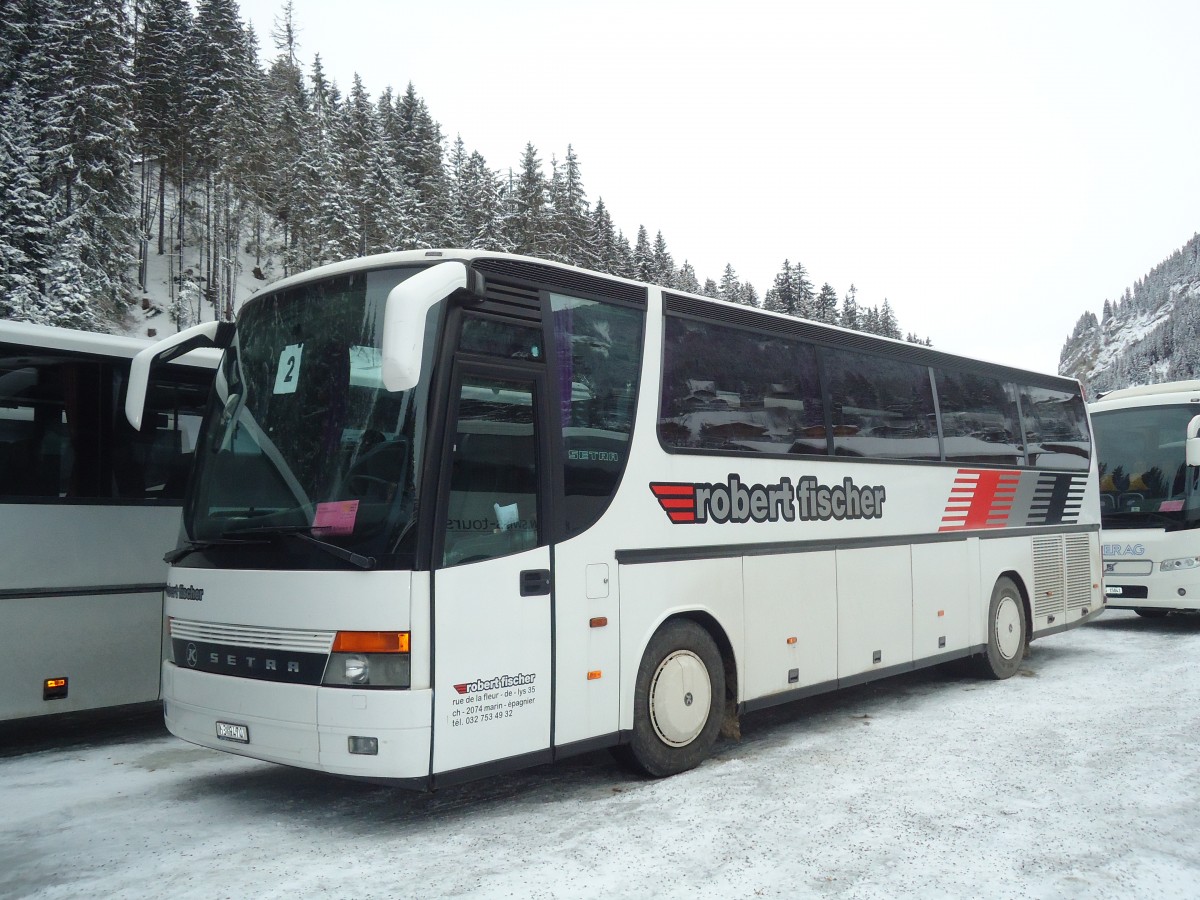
x=287 y=376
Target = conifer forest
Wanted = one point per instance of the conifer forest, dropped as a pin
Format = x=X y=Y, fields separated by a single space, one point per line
x=140 y=135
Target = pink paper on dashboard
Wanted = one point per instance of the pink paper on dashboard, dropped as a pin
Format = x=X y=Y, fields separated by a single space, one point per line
x=336 y=517
x=1170 y=506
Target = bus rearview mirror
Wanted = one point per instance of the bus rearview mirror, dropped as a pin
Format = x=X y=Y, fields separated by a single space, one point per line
x=404 y=314
x=1192 y=447
x=206 y=334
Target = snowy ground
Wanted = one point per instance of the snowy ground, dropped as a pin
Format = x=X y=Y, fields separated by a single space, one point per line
x=1079 y=777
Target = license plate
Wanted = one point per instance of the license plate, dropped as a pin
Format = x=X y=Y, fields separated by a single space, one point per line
x=227 y=731
x=1113 y=591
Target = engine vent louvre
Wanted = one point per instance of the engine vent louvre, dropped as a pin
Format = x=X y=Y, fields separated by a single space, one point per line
x=1049 y=595
x=1079 y=571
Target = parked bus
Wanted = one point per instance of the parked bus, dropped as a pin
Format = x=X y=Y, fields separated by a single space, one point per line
x=1146 y=441
x=457 y=512
x=88 y=506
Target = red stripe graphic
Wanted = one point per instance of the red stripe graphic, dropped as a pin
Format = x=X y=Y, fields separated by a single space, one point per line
x=980 y=498
x=677 y=500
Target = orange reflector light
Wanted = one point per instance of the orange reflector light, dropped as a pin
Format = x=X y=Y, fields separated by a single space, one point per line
x=598 y=622
x=941 y=612
x=371 y=642
x=593 y=675
x=56 y=682
x=791 y=640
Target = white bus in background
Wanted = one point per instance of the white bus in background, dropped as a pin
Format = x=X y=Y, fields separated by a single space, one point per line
x=1146 y=440
x=88 y=506
x=457 y=512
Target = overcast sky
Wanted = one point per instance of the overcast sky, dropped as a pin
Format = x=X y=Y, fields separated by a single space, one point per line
x=994 y=169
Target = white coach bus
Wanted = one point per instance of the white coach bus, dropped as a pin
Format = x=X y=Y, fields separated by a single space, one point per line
x=457 y=512
x=1149 y=463
x=88 y=506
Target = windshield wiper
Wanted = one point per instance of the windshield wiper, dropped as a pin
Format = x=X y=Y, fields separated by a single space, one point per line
x=301 y=532
x=174 y=556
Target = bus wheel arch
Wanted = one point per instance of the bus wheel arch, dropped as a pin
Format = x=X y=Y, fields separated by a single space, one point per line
x=1009 y=628
x=681 y=697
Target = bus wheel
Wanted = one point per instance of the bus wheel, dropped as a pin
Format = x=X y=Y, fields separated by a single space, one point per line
x=1148 y=612
x=678 y=702
x=1006 y=632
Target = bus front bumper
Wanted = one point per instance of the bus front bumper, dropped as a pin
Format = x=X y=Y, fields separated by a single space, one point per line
x=302 y=725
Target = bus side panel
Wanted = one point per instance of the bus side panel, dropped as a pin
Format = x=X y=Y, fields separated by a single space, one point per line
x=587 y=628
x=107 y=646
x=653 y=592
x=790 y=596
x=875 y=609
x=943 y=593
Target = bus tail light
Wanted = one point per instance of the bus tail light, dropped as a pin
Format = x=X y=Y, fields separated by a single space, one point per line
x=373 y=659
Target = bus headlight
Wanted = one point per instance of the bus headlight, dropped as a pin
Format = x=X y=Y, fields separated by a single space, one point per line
x=369 y=659
x=1176 y=565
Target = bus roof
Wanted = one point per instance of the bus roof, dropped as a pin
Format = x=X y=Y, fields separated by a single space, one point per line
x=94 y=343
x=829 y=333
x=1152 y=394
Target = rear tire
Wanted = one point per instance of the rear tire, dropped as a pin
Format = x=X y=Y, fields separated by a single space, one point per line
x=1006 y=632
x=678 y=701
x=1150 y=612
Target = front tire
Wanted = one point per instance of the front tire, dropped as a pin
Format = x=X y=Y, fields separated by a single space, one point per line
x=1150 y=612
x=1007 y=636
x=678 y=701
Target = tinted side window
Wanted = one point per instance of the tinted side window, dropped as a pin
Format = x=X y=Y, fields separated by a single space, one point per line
x=881 y=407
x=599 y=348
x=155 y=463
x=979 y=419
x=728 y=389
x=55 y=424
x=1056 y=432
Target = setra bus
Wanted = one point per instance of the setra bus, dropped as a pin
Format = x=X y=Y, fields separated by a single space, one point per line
x=456 y=512
x=88 y=505
x=1149 y=454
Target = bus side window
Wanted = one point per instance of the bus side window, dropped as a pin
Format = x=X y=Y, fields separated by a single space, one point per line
x=493 y=491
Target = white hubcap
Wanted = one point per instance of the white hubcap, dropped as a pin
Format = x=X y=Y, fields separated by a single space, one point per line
x=1008 y=627
x=680 y=697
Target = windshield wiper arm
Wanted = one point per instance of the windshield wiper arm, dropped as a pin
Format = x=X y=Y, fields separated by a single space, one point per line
x=174 y=556
x=302 y=532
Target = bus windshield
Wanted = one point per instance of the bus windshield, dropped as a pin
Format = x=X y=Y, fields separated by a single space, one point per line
x=1143 y=477
x=301 y=438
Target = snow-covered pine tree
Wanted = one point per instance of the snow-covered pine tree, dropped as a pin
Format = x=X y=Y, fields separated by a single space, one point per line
x=422 y=159
x=781 y=296
x=730 y=287
x=686 y=279
x=23 y=225
x=483 y=206
x=285 y=117
x=664 y=264
x=849 y=314
x=825 y=306
x=643 y=256
x=888 y=326
x=527 y=220
x=568 y=231
x=89 y=123
x=159 y=79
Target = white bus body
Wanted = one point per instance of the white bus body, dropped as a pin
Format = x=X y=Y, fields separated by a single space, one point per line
x=88 y=506
x=1150 y=496
x=595 y=513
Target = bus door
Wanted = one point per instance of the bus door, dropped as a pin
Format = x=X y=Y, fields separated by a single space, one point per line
x=492 y=574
